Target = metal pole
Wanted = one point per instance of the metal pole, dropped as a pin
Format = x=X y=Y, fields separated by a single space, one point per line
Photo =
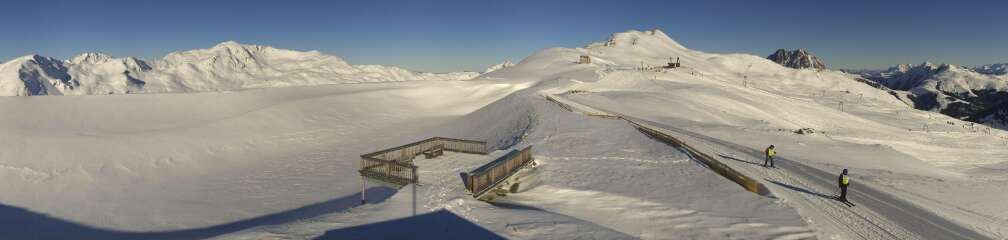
x=363 y=189
x=415 y=182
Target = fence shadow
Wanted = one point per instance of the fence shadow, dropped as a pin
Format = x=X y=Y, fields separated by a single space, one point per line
x=740 y=160
x=21 y=223
x=441 y=224
x=795 y=188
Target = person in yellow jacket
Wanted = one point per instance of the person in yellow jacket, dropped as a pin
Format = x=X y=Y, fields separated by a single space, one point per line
x=769 y=152
x=844 y=181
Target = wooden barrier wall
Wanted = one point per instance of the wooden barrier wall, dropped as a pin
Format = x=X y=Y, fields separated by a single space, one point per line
x=464 y=146
x=483 y=179
x=720 y=168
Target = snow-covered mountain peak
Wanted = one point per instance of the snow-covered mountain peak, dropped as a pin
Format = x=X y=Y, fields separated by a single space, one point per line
x=924 y=69
x=231 y=43
x=91 y=58
x=503 y=65
x=234 y=55
x=235 y=48
x=31 y=58
x=630 y=38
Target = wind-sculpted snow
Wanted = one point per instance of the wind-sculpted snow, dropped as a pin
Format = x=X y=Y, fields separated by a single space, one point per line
x=226 y=66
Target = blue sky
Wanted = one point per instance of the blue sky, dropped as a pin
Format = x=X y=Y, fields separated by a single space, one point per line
x=470 y=35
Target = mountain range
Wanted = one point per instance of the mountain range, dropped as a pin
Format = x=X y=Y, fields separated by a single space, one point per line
x=226 y=66
x=977 y=94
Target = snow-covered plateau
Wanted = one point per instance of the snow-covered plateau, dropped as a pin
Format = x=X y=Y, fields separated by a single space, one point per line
x=276 y=155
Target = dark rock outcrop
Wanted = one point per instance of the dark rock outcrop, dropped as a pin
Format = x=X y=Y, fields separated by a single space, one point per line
x=798 y=59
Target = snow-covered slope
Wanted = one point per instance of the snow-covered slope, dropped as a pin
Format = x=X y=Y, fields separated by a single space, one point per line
x=226 y=66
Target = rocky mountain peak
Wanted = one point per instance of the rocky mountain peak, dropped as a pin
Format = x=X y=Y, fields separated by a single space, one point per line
x=799 y=59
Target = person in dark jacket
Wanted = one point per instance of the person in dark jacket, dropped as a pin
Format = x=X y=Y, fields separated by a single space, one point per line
x=843 y=181
x=769 y=152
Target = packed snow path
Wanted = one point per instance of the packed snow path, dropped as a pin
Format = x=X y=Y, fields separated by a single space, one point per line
x=878 y=215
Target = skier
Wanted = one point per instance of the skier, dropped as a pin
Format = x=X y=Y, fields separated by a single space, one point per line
x=769 y=155
x=843 y=181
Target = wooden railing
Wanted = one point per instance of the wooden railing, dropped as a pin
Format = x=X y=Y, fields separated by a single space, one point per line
x=389 y=171
x=483 y=179
x=395 y=165
x=463 y=146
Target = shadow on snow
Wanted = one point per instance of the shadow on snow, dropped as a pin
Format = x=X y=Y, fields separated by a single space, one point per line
x=440 y=224
x=21 y=223
x=788 y=186
x=740 y=160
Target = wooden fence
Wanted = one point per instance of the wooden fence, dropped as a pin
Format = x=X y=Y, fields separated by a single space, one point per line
x=463 y=146
x=395 y=165
x=720 y=168
x=485 y=178
x=388 y=171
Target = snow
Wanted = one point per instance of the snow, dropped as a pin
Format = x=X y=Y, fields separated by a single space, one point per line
x=114 y=157
x=280 y=162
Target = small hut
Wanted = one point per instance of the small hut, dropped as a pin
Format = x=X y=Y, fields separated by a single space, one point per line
x=673 y=64
x=585 y=59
